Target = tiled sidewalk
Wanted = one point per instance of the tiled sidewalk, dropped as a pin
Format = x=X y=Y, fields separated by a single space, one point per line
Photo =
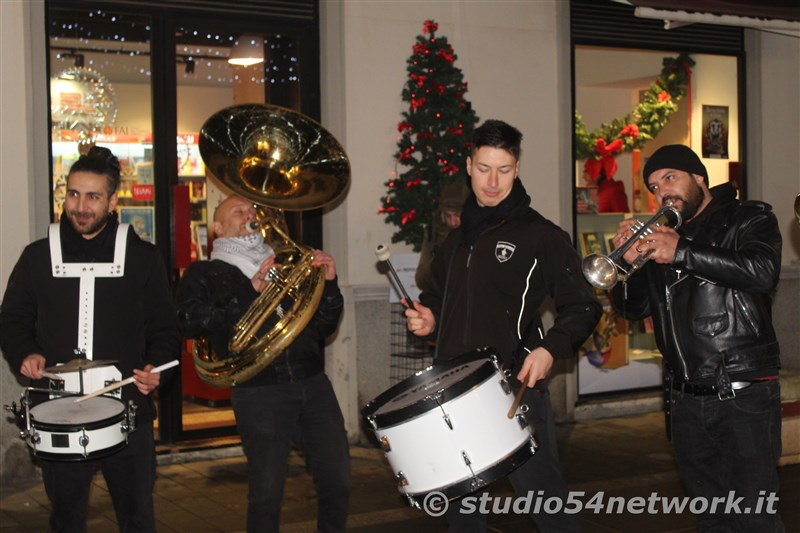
x=626 y=456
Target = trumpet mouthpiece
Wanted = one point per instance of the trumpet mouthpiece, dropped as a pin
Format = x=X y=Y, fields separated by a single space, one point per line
x=254 y=225
x=382 y=252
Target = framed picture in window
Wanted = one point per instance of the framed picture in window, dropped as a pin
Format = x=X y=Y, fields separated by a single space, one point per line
x=142 y=219
x=593 y=243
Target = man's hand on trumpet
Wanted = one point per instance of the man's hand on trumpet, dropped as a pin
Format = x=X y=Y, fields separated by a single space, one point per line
x=663 y=241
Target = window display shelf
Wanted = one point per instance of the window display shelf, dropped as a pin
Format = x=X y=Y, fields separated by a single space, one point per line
x=620 y=354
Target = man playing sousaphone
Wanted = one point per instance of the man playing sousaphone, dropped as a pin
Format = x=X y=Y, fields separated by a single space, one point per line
x=95 y=286
x=291 y=400
x=490 y=278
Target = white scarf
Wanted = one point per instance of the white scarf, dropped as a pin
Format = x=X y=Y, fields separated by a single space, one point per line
x=247 y=253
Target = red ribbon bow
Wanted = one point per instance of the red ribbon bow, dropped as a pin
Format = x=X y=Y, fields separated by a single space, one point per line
x=605 y=158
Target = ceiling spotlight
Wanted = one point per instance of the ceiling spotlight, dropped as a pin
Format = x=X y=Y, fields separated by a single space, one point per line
x=73 y=54
x=247 y=50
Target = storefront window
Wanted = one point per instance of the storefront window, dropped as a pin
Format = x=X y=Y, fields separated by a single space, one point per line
x=265 y=71
x=112 y=84
x=100 y=95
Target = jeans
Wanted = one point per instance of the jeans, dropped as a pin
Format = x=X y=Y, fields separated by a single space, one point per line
x=542 y=472
x=732 y=445
x=269 y=419
x=129 y=473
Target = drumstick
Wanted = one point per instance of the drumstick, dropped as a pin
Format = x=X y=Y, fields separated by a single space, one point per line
x=50 y=375
x=383 y=254
x=124 y=382
x=517 y=399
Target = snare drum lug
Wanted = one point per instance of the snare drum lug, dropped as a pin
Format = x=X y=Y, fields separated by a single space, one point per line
x=83 y=441
x=478 y=483
x=505 y=386
x=401 y=479
x=522 y=420
x=534 y=444
x=385 y=446
x=447 y=421
x=413 y=502
x=496 y=362
x=371 y=420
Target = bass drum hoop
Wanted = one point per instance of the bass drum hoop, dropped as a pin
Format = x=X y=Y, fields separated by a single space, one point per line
x=427 y=403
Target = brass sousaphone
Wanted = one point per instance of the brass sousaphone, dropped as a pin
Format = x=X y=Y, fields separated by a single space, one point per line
x=280 y=160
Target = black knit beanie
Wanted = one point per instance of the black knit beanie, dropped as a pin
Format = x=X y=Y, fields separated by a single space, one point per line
x=675 y=156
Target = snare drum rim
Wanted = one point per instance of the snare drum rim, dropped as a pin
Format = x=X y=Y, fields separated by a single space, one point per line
x=73 y=427
x=425 y=404
x=79 y=457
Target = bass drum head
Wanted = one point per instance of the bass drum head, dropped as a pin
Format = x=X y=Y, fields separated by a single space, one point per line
x=414 y=395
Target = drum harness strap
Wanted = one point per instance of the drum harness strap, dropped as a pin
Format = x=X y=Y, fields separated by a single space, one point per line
x=87 y=272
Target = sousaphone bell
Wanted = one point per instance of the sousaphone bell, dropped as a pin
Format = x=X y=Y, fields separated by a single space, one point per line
x=280 y=160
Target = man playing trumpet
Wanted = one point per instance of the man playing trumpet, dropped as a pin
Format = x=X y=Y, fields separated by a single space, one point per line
x=709 y=285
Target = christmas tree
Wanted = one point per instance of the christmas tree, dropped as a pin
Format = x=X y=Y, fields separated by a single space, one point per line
x=434 y=138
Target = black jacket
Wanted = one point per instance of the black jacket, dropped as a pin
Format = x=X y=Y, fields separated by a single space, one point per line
x=213 y=295
x=489 y=293
x=134 y=316
x=712 y=307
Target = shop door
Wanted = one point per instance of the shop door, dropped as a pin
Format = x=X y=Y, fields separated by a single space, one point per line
x=141 y=79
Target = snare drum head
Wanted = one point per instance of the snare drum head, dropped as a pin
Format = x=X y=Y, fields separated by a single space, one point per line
x=64 y=411
x=446 y=381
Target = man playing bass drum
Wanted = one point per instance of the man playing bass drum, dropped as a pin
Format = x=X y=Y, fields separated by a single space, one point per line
x=490 y=278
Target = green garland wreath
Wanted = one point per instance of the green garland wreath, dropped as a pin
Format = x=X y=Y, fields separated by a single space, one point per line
x=644 y=122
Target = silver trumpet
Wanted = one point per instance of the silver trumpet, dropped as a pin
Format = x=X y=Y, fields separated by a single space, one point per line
x=604 y=271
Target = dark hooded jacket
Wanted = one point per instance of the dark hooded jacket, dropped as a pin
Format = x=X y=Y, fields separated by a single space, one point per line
x=493 y=274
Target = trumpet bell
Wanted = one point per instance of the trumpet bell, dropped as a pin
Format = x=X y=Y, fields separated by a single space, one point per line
x=600 y=271
x=603 y=271
x=275 y=156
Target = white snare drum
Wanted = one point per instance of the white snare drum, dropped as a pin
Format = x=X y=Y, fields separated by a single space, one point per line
x=63 y=430
x=447 y=429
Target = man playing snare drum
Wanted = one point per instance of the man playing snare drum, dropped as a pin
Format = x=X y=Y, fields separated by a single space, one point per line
x=489 y=280
x=105 y=293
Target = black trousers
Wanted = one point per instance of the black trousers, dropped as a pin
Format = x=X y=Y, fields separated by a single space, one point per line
x=270 y=418
x=728 y=451
x=130 y=475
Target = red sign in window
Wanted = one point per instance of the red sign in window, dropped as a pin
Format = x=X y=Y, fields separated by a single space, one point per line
x=143 y=192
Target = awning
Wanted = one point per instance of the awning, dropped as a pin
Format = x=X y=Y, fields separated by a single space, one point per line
x=782 y=16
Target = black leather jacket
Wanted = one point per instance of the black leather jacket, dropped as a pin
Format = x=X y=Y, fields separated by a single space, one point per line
x=712 y=307
x=213 y=295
